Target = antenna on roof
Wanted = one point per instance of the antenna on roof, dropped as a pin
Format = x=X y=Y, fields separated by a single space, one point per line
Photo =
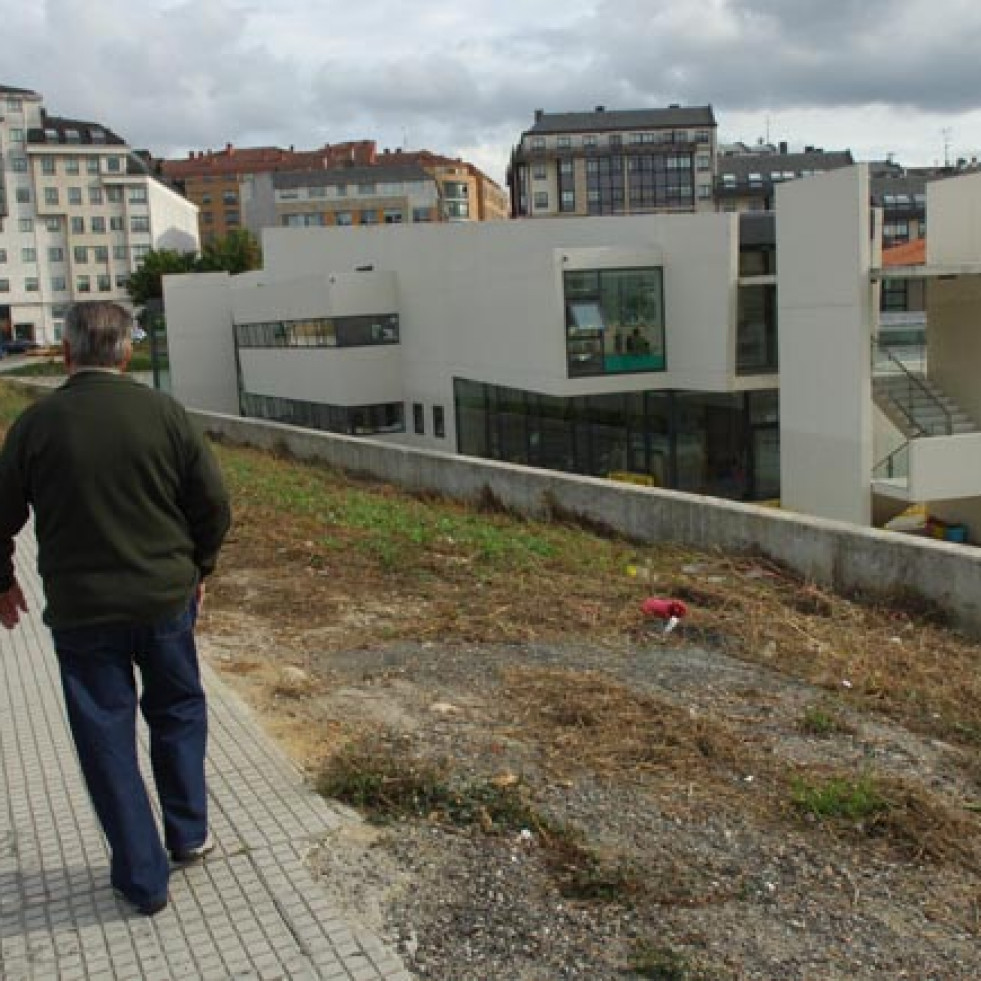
x=945 y=132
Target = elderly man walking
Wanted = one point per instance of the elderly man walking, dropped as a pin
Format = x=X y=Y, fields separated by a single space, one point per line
x=129 y=512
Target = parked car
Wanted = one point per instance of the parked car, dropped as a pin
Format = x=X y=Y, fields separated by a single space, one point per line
x=139 y=334
x=19 y=345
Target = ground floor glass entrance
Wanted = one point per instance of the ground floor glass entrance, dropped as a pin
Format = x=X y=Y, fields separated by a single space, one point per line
x=724 y=444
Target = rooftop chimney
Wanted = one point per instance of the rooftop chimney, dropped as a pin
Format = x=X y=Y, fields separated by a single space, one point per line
x=538 y=114
x=229 y=149
x=601 y=108
x=783 y=147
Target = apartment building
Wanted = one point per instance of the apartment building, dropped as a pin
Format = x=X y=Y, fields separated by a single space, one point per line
x=78 y=211
x=212 y=179
x=614 y=162
x=466 y=193
x=746 y=179
x=219 y=181
x=377 y=195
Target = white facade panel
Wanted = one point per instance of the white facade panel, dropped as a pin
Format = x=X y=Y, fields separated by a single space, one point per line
x=945 y=467
x=954 y=214
x=333 y=376
x=201 y=344
x=173 y=219
x=824 y=301
x=325 y=295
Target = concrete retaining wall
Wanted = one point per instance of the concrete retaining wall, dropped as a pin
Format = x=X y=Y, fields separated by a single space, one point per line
x=842 y=556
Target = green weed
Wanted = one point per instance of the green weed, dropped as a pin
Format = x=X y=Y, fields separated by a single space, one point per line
x=387 y=785
x=839 y=797
x=823 y=721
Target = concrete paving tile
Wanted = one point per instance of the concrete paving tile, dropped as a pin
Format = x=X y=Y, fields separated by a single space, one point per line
x=243 y=914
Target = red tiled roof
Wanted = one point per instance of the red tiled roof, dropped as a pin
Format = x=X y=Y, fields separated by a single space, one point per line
x=233 y=160
x=908 y=254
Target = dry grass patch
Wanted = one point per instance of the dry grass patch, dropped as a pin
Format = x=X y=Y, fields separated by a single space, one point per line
x=909 y=821
x=584 y=719
x=324 y=539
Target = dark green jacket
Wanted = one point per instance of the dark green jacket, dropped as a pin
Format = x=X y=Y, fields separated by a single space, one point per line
x=129 y=505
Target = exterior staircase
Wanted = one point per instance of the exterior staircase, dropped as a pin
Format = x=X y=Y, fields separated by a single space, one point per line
x=917 y=407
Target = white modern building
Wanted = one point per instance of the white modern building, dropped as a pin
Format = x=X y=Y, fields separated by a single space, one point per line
x=595 y=346
x=642 y=346
x=78 y=211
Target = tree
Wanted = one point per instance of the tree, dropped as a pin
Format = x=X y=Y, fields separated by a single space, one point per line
x=237 y=252
x=146 y=283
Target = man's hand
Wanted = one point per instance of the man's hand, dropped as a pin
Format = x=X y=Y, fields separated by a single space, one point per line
x=12 y=604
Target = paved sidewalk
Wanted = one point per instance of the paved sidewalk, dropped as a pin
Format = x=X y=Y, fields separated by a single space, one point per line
x=252 y=911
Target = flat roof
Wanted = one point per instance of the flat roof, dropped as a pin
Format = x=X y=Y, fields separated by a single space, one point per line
x=601 y=120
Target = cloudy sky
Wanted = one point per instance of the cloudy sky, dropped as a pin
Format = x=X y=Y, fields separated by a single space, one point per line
x=464 y=78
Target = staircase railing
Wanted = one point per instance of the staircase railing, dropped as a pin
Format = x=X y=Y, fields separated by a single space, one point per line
x=914 y=389
x=893 y=466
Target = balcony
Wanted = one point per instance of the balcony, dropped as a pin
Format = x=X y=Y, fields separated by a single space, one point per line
x=932 y=468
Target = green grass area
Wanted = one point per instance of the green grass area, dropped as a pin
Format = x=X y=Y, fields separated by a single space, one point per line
x=839 y=798
x=38 y=369
x=48 y=369
x=398 y=531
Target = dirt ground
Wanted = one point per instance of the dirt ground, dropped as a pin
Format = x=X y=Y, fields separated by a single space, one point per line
x=675 y=812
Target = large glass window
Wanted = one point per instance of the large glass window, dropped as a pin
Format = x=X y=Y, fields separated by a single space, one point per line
x=723 y=444
x=321 y=332
x=756 y=329
x=614 y=321
x=358 y=420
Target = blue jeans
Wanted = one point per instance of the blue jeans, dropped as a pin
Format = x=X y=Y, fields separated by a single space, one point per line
x=100 y=695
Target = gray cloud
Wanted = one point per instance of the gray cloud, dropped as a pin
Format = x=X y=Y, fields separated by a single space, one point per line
x=748 y=54
x=177 y=74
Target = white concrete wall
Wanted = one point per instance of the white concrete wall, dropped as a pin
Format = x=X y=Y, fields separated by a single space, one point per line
x=257 y=300
x=173 y=219
x=954 y=339
x=886 y=437
x=954 y=306
x=945 y=467
x=334 y=376
x=954 y=213
x=200 y=341
x=825 y=315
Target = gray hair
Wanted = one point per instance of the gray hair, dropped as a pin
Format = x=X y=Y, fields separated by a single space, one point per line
x=98 y=334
